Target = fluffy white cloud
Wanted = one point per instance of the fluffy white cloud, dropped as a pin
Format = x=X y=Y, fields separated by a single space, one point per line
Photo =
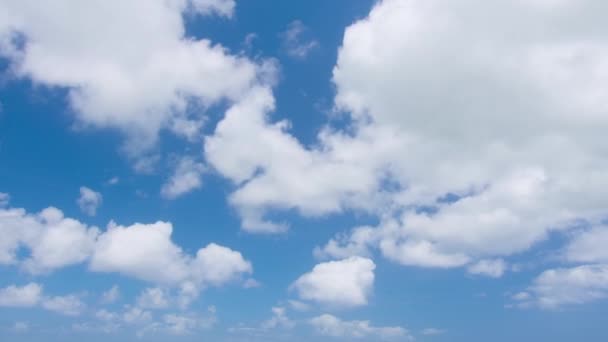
x=454 y=127
x=31 y=295
x=53 y=240
x=186 y=177
x=566 y=286
x=279 y=319
x=492 y=268
x=89 y=201
x=69 y=305
x=26 y=296
x=330 y=325
x=589 y=246
x=274 y=171
x=141 y=250
x=140 y=75
x=478 y=111
x=347 y=282
x=153 y=298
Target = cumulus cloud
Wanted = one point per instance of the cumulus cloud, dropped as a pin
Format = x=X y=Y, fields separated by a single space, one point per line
x=297 y=42
x=153 y=298
x=186 y=177
x=139 y=76
x=69 y=305
x=428 y=70
x=89 y=201
x=412 y=77
x=141 y=250
x=32 y=295
x=347 y=282
x=566 y=286
x=330 y=325
x=279 y=319
x=53 y=240
x=589 y=246
x=491 y=268
x=25 y=296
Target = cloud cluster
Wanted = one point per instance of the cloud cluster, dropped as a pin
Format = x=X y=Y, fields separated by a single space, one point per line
x=139 y=75
x=138 y=251
x=330 y=325
x=31 y=295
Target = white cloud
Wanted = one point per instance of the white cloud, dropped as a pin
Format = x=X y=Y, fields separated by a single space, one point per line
x=491 y=268
x=298 y=306
x=589 y=246
x=347 y=282
x=329 y=325
x=141 y=250
x=141 y=75
x=279 y=319
x=186 y=177
x=135 y=315
x=26 y=296
x=566 y=286
x=153 y=298
x=296 y=42
x=428 y=71
x=31 y=295
x=274 y=171
x=69 y=305
x=89 y=201
x=251 y=283
x=53 y=240
x=111 y=295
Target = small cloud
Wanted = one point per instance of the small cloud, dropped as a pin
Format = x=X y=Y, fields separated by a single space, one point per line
x=490 y=268
x=296 y=40
x=69 y=305
x=111 y=295
x=432 y=332
x=89 y=201
x=113 y=181
x=298 y=306
x=251 y=283
x=187 y=177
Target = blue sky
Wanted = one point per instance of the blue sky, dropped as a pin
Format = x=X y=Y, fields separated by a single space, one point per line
x=322 y=170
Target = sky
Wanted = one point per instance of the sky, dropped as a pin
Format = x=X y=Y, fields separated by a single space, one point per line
x=346 y=170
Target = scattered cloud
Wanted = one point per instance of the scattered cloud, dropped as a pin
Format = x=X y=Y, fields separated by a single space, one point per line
x=347 y=282
x=25 y=296
x=89 y=201
x=491 y=268
x=297 y=42
x=329 y=325
x=110 y=296
x=187 y=177
x=559 y=287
